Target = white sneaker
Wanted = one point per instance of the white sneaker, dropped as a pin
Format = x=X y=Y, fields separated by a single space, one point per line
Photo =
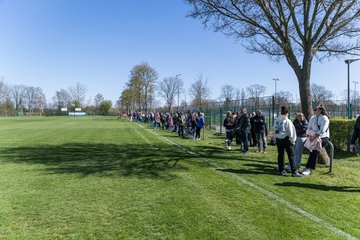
x=306 y=172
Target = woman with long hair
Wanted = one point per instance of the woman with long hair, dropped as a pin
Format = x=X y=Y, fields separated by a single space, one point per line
x=318 y=130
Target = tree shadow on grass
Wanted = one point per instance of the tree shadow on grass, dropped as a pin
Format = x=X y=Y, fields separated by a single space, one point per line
x=320 y=187
x=144 y=161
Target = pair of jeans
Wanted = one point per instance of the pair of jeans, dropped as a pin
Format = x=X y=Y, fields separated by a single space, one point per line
x=229 y=137
x=181 y=130
x=282 y=145
x=261 y=136
x=197 y=134
x=244 y=139
x=299 y=147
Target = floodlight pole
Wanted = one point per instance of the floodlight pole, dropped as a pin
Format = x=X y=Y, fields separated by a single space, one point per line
x=348 y=62
x=355 y=82
x=276 y=80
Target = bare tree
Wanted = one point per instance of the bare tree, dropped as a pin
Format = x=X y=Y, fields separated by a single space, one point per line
x=297 y=31
x=4 y=91
x=284 y=97
x=240 y=96
x=168 y=88
x=77 y=94
x=98 y=99
x=61 y=99
x=227 y=92
x=320 y=94
x=35 y=99
x=255 y=90
x=199 y=91
x=18 y=95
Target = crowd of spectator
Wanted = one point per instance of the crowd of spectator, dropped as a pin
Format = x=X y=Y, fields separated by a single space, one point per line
x=246 y=129
x=186 y=125
x=250 y=129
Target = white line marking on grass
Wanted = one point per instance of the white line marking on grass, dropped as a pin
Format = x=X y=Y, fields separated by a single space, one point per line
x=269 y=194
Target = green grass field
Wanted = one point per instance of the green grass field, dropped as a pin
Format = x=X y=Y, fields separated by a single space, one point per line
x=103 y=178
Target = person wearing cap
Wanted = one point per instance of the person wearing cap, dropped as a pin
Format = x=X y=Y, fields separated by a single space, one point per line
x=285 y=140
x=318 y=129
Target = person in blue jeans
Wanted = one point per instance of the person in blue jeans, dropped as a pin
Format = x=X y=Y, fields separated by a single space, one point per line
x=199 y=125
x=301 y=125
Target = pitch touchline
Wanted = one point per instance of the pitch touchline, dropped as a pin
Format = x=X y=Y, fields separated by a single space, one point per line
x=263 y=191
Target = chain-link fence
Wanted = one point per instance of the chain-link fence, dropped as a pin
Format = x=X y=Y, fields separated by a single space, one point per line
x=216 y=112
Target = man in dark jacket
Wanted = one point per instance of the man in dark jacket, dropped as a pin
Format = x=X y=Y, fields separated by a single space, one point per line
x=355 y=135
x=244 y=128
x=260 y=130
x=229 y=127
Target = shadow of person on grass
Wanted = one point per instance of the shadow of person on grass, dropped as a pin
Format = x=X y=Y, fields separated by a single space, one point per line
x=143 y=161
x=320 y=187
x=255 y=169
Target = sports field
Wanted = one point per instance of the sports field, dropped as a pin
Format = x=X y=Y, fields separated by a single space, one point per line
x=103 y=178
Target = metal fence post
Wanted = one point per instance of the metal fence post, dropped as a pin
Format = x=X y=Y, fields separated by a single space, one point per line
x=221 y=120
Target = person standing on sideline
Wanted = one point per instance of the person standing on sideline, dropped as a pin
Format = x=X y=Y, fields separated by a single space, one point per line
x=355 y=136
x=318 y=128
x=301 y=125
x=182 y=120
x=285 y=140
x=199 y=125
x=244 y=128
x=229 y=127
x=252 y=135
x=236 y=129
x=260 y=130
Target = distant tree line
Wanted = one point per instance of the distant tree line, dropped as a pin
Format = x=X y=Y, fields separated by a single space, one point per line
x=21 y=99
x=142 y=92
x=143 y=88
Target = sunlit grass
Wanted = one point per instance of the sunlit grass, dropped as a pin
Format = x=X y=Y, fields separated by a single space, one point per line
x=101 y=178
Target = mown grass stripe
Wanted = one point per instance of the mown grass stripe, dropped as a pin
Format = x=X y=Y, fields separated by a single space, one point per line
x=269 y=194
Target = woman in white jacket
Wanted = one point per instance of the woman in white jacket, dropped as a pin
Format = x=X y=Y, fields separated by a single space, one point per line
x=285 y=140
x=318 y=128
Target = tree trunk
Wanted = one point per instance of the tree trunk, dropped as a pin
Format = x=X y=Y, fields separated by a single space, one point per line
x=304 y=90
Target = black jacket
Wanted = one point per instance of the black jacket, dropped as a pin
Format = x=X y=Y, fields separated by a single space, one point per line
x=356 y=133
x=228 y=124
x=260 y=124
x=244 y=123
x=301 y=127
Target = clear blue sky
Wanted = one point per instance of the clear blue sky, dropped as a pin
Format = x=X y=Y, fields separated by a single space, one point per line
x=53 y=44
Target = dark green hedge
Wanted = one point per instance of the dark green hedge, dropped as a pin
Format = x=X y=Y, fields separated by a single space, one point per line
x=340 y=133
